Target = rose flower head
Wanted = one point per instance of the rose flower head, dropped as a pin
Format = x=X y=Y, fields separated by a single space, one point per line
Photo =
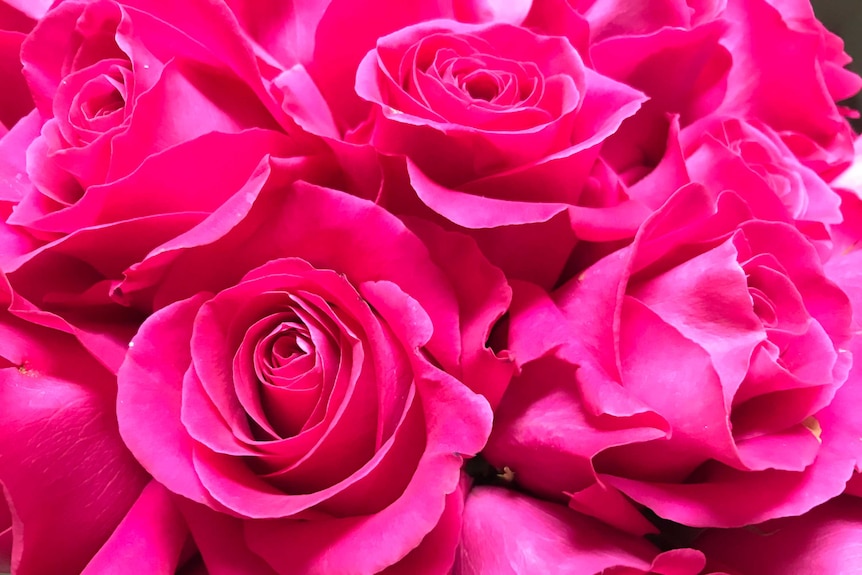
x=698 y=371
x=322 y=397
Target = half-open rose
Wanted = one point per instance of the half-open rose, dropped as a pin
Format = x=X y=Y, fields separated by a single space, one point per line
x=500 y=128
x=321 y=398
x=709 y=356
x=748 y=157
x=116 y=83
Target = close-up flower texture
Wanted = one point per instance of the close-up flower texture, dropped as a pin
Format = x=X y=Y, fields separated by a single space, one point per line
x=430 y=287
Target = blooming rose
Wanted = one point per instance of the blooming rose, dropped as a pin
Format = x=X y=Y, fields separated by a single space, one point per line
x=129 y=94
x=138 y=102
x=698 y=371
x=500 y=128
x=505 y=532
x=720 y=57
x=750 y=158
x=486 y=127
x=323 y=397
x=116 y=84
x=492 y=97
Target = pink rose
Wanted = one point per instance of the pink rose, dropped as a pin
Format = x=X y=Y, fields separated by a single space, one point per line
x=136 y=105
x=699 y=371
x=500 y=128
x=119 y=85
x=486 y=127
x=321 y=398
x=717 y=59
x=730 y=153
x=507 y=533
x=750 y=158
x=763 y=32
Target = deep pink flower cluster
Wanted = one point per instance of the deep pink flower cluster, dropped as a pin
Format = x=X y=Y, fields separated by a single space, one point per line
x=455 y=287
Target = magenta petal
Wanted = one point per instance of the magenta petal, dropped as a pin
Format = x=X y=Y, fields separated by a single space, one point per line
x=184 y=104
x=301 y=98
x=151 y=537
x=473 y=211
x=706 y=299
x=505 y=533
x=219 y=538
x=328 y=546
x=541 y=423
x=35 y=9
x=679 y=562
x=612 y=508
x=736 y=498
x=149 y=398
x=437 y=551
x=14 y=183
x=828 y=539
x=509 y=11
x=61 y=435
x=15 y=101
x=483 y=296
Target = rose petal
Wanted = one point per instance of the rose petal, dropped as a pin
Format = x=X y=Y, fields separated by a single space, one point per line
x=505 y=532
x=149 y=387
x=151 y=536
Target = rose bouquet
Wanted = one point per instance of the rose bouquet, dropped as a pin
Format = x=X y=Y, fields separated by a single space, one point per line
x=467 y=287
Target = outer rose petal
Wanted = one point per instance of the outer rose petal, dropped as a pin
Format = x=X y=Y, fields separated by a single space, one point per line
x=144 y=192
x=509 y=11
x=609 y=18
x=483 y=295
x=827 y=539
x=149 y=398
x=437 y=551
x=814 y=128
x=61 y=450
x=508 y=533
x=539 y=412
x=15 y=101
x=35 y=9
x=219 y=538
x=150 y=537
x=682 y=71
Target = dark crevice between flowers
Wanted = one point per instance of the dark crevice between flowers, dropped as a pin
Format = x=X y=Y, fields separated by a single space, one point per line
x=483 y=473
